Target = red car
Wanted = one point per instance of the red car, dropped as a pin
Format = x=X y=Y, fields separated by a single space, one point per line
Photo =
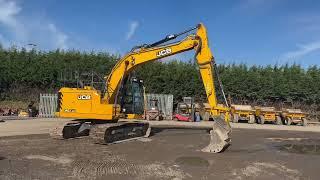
x=181 y=117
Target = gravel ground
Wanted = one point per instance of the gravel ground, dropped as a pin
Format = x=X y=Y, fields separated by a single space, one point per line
x=169 y=154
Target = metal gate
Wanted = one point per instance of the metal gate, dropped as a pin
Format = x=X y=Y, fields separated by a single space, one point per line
x=48 y=105
x=165 y=103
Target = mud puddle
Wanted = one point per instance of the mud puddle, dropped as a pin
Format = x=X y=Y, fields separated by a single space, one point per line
x=192 y=161
x=301 y=148
x=306 y=146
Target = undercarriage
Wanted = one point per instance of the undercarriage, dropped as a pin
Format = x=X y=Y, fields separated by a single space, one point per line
x=102 y=132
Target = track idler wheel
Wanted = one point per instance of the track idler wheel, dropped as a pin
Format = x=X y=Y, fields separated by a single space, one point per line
x=70 y=130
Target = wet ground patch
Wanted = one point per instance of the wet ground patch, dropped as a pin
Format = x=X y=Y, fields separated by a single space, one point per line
x=297 y=145
x=308 y=146
x=192 y=161
x=301 y=148
x=265 y=170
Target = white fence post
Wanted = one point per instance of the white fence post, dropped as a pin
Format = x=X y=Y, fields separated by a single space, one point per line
x=48 y=105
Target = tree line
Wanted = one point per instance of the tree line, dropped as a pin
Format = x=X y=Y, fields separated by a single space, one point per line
x=24 y=74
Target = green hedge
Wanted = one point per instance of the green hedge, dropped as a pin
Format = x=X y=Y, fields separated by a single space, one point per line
x=33 y=71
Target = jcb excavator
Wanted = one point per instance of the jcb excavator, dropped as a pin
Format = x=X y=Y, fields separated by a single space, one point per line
x=97 y=115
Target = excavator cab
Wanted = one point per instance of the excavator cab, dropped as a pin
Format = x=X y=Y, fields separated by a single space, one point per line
x=131 y=98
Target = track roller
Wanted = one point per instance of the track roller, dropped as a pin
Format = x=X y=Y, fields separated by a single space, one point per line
x=118 y=132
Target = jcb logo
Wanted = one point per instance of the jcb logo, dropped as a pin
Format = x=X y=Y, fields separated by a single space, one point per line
x=84 y=97
x=164 y=52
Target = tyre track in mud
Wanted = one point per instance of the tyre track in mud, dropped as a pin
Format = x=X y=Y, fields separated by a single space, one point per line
x=85 y=169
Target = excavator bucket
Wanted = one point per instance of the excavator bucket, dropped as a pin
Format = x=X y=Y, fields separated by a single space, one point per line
x=220 y=136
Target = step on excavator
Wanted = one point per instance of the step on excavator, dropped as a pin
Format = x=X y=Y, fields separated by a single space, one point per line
x=97 y=113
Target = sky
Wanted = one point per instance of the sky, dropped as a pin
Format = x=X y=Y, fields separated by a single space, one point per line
x=254 y=32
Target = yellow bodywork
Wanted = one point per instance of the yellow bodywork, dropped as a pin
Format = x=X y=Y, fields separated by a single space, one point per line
x=85 y=103
x=242 y=111
x=134 y=116
x=269 y=113
x=75 y=102
x=243 y=114
x=294 y=114
x=23 y=114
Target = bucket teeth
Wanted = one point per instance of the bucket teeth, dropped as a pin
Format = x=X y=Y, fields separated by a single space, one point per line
x=148 y=132
x=220 y=137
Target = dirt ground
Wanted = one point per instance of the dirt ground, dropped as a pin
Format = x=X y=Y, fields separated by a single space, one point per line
x=169 y=154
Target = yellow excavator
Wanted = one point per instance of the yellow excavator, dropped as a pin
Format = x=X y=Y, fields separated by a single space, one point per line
x=97 y=113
